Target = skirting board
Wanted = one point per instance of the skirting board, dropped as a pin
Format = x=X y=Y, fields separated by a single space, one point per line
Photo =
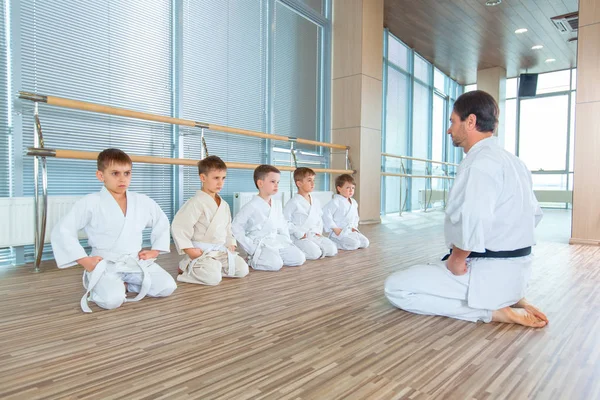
x=370 y=221
x=588 y=242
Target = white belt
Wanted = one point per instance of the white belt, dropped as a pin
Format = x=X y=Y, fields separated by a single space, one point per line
x=344 y=232
x=254 y=257
x=208 y=247
x=261 y=244
x=125 y=264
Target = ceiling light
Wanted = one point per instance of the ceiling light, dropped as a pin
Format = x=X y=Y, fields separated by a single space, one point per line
x=550 y=60
x=492 y=2
x=521 y=30
x=537 y=47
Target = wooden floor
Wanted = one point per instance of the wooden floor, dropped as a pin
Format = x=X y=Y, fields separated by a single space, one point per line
x=320 y=331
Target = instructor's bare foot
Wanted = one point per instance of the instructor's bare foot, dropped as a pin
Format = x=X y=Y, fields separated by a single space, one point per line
x=523 y=303
x=519 y=316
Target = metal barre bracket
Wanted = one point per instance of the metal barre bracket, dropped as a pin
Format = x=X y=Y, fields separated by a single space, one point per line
x=39 y=152
x=204 y=147
x=33 y=97
x=40 y=221
x=202 y=125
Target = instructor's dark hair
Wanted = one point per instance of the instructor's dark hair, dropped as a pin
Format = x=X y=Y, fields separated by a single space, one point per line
x=480 y=104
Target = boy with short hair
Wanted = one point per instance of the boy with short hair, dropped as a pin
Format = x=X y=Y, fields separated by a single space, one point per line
x=340 y=216
x=202 y=231
x=261 y=228
x=304 y=215
x=114 y=220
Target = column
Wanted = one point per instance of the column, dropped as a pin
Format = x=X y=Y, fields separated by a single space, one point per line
x=356 y=96
x=493 y=81
x=586 y=184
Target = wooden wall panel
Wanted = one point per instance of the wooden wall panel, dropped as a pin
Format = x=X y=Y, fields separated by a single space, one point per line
x=346 y=95
x=372 y=38
x=347 y=34
x=588 y=73
x=591 y=12
x=586 y=188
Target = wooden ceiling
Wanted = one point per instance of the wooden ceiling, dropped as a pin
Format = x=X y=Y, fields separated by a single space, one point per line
x=463 y=36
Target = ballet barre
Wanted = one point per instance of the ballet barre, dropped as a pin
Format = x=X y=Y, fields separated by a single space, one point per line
x=428 y=176
x=417 y=176
x=418 y=159
x=93 y=156
x=122 y=112
x=40 y=152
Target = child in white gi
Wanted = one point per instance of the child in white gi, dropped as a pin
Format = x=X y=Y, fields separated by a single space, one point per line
x=340 y=216
x=261 y=228
x=114 y=220
x=305 y=218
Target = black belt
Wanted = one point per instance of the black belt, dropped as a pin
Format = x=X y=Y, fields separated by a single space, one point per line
x=525 y=251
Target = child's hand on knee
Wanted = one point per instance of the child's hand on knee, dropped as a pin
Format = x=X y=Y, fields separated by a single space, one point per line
x=148 y=254
x=89 y=263
x=193 y=253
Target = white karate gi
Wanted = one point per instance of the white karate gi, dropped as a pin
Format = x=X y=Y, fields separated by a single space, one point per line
x=200 y=223
x=117 y=238
x=490 y=206
x=262 y=231
x=305 y=224
x=343 y=214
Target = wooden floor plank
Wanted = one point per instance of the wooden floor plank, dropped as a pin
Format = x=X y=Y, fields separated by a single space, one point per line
x=320 y=331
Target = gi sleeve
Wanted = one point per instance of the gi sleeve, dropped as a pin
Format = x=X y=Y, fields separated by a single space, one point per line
x=328 y=211
x=159 y=237
x=238 y=228
x=65 y=241
x=183 y=224
x=288 y=214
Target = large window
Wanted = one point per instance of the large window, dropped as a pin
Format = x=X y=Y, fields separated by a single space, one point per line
x=421 y=138
x=297 y=83
x=545 y=121
x=6 y=255
x=439 y=139
x=536 y=129
x=97 y=55
x=222 y=82
x=258 y=65
x=295 y=75
x=94 y=54
x=396 y=139
x=417 y=102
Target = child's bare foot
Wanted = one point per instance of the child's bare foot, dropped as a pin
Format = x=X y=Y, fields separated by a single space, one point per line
x=519 y=316
x=523 y=303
